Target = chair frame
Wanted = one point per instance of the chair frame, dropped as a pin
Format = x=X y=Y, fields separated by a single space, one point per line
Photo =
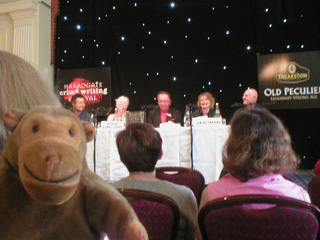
x=181 y=170
x=253 y=199
x=313 y=190
x=156 y=197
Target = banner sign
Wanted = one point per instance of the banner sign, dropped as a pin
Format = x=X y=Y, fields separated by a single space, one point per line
x=93 y=83
x=289 y=80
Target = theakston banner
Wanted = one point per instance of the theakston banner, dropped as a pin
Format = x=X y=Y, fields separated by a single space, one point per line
x=93 y=83
x=289 y=80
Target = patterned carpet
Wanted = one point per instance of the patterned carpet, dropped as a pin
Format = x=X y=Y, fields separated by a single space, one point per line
x=302 y=177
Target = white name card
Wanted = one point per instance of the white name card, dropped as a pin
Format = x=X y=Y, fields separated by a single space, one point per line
x=169 y=124
x=112 y=124
x=206 y=120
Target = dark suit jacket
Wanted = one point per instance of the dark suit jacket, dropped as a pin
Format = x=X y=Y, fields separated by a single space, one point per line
x=154 y=117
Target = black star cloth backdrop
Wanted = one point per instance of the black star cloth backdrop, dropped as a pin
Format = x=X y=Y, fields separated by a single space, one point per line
x=189 y=47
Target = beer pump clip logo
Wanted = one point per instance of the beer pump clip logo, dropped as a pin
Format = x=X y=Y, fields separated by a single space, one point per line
x=293 y=73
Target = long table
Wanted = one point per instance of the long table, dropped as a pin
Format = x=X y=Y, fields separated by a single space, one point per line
x=208 y=141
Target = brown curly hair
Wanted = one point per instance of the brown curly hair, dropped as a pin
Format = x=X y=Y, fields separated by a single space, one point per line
x=258 y=144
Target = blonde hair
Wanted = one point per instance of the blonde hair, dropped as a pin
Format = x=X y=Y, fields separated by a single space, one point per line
x=21 y=87
x=210 y=97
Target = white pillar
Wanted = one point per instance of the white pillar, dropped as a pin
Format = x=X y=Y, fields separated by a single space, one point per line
x=23 y=33
x=25 y=30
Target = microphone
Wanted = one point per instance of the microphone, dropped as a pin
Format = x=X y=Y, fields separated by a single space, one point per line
x=145 y=107
x=192 y=105
x=251 y=104
x=109 y=110
x=93 y=110
x=102 y=110
x=238 y=105
x=243 y=105
x=268 y=103
x=66 y=104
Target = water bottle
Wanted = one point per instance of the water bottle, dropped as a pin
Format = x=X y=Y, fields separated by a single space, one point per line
x=115 y=117
x=187 y=117
x=217 y=112
x=92 y=120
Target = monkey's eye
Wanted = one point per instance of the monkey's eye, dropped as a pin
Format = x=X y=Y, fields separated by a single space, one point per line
x=71 y=133
x=35 y=128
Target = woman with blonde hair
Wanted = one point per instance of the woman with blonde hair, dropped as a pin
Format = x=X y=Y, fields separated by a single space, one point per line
x=206 y=105
x=256 y=155
x=21 y=87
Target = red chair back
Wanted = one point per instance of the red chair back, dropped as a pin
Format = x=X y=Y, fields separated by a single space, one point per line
x=280 y=218
x=158 y=213
x=314 y=190
x=183 y=176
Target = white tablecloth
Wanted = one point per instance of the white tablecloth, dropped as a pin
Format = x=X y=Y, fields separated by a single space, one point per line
x=208 y=141
x=90 y=155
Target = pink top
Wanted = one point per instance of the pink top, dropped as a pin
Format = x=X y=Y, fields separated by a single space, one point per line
x=273 y=184
x=163 y=116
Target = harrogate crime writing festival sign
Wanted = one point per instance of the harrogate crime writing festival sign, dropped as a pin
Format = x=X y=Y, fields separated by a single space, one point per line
x=93 y=83
x=289 y=80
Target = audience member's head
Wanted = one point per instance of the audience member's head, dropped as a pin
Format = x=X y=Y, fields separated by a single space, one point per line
x=206 y=100
x=21 y=87
x=164 y=100
x=250 y=97
x=78 y=102
x=139 y=146
x=258 y=144
x=122 y=103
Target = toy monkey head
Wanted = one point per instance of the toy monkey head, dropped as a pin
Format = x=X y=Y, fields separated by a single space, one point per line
x=47 y=149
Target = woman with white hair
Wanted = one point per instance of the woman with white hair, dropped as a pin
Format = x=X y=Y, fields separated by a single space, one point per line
x=122 y=104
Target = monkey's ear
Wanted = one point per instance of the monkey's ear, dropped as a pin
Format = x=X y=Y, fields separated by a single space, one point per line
x=12 y=118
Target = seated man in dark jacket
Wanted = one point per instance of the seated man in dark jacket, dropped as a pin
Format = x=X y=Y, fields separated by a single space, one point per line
x=163 y=113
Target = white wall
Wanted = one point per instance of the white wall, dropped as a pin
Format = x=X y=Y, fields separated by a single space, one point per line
x=6 y=32
x=25 y=30
x=44 y=38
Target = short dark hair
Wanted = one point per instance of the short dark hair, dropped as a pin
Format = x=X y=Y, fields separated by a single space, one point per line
x=77 y=95
x=258 y=144
x=139 y=146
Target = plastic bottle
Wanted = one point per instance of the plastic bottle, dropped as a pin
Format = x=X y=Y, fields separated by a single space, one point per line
x=115 y=117
x=217 y=112
x=187 y=117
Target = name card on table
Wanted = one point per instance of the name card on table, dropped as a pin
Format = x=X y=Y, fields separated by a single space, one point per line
x=206 y=120
x=169 y=124
x=112 y=124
